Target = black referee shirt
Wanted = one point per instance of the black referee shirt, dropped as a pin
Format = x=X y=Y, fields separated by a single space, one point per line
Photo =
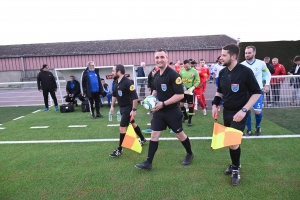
x=236 y=86
x=168 y=84
x=124 y=91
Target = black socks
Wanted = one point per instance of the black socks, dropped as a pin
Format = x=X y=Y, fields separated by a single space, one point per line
x=152 y=150
x=187 y=145
x=235 y=157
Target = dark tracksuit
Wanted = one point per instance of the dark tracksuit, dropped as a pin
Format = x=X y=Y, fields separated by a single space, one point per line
x=47 y=83
x=92 y=88
x=75 y=90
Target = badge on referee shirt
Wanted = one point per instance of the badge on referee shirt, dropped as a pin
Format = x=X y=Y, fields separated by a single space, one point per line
x=120 y=93
x=178 y=80
x=163 y=87
x=131 y=88
x=235 y=87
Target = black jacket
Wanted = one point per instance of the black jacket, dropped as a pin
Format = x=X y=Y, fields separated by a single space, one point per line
x=85 y=82
x=46 y=81
x=76 y=89
x=295 y=81
x=271 y=68
x=151 y=80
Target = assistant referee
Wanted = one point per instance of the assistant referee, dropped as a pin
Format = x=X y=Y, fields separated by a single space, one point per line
x=124 y=91
x=236 y=83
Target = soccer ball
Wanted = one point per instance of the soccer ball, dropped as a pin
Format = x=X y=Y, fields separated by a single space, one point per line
x=149 y=102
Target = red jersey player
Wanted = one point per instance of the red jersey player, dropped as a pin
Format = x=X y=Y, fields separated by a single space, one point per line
x=177 y=66
x=200 y=90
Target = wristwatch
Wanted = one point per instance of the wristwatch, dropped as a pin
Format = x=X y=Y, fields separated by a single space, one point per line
x=163 y=104
x=244 y=110
x=134 y=109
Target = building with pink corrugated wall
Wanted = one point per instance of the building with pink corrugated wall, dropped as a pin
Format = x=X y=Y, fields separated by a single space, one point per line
x=22 y=60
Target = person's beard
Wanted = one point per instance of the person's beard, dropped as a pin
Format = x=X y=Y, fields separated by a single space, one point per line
x=226 y=64
x=116 y=77
x=250 y=58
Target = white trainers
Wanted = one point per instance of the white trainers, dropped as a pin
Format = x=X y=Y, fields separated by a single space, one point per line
x=219 y=108
x=204 y=111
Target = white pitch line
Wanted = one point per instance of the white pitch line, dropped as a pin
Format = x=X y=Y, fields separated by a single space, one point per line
x=39 y=126
x=117 y=139
x=113 y=124
x=1 y=128
x=149 y=124
x=36 y=111
x=76 y=126
x=18 y=118
x=0 y=124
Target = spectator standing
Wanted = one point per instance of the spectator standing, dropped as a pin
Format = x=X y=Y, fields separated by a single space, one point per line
x=295 y=81
x=271 y=70
x=141 y=73
x=92 y=88
x=46 y=83
x=73 y=89
x=276 y=82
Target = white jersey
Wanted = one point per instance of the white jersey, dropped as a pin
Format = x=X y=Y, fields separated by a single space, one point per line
x=217 y=68
x=258 y=67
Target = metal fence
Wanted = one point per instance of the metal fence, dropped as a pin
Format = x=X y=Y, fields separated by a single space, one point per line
x=26 y=93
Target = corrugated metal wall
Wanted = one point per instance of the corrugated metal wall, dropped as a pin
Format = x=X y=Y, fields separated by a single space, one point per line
x=34 y=63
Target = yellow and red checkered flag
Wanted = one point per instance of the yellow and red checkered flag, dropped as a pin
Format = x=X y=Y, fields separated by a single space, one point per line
x=225 y=136
x=131 y=140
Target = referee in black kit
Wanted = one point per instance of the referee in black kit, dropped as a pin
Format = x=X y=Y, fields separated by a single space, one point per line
x=240 y=90
x=169 y=91
x=124 y=91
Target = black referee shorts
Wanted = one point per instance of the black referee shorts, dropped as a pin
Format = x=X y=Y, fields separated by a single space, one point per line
x=125 y=115
x=187 y=98
x=167 y=118
x=228 y=120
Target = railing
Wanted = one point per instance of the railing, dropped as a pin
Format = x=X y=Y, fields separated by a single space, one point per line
x=26 y=93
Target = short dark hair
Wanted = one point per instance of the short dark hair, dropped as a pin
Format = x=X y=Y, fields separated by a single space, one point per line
x=161 y=50
x=232 y=49
x=44 y=66
x=193 y=62
x=202 y=59
x=102 y=79
x=251 y=47
x=218 y=58
x=297 y=58
x=120 y=68
x=186 y=61
x=72 y=76
x=267 y=58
